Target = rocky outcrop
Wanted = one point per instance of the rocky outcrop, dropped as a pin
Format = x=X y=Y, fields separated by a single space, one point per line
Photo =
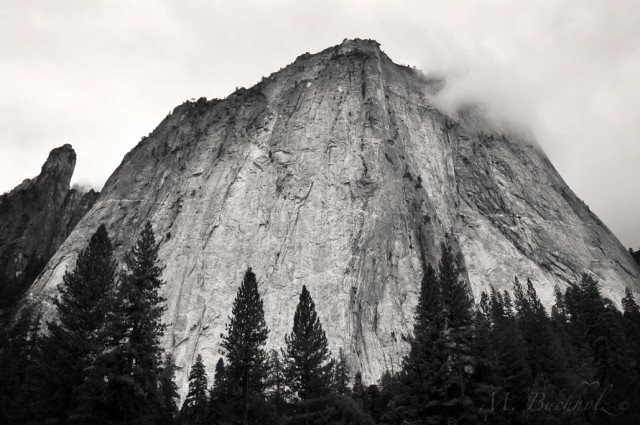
x=339 y=173
x=35 y=218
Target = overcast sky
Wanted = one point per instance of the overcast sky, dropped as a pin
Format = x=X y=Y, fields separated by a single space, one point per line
x=101 y=74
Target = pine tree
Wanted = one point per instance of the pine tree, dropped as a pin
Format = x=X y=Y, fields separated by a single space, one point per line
x=133 y=384
x=219 y=395
x=390 y=387
x=17 y=351
x=245 y=341
x=631 y=324
x=341 y=374
x=536 y=331
x=421 y=375
x=629 y=305
x=373 y=402
x=195 y=407
x=587 y=315
x=307 y=352
x=456 y=325
x=511 y=375
x=168 y=393
x=71 y=367
x=276 y=383
x=358 y=393
x=482 y=388
x=597 y=330
x=438 y=368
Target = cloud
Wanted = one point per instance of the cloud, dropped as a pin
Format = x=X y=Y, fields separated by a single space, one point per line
x=102 y=74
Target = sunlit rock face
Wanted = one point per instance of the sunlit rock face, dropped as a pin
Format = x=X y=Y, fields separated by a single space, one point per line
x=339 y=173
x=36 y=217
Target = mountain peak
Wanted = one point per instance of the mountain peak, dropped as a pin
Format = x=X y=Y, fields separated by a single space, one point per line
x=61 y=162
x=366 y=43
x=337 y=172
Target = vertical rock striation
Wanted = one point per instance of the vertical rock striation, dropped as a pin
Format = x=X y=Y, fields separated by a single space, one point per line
x=339 y=173
x=35 y=218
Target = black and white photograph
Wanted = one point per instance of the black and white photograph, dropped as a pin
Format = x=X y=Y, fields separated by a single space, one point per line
x=297 y=212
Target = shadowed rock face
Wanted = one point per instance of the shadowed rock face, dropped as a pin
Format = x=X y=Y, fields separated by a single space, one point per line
x=35 y=218
x=338 y=173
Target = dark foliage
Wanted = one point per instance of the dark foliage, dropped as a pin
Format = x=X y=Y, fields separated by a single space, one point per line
x=136 y=362
x=73 y=358
x=308 y=367
x=168 y=393
x=244 y=345
x=341 y=374
x=503 y=361
x=195 y=408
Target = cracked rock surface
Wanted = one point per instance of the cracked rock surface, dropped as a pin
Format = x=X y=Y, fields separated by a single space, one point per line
x=339 y=173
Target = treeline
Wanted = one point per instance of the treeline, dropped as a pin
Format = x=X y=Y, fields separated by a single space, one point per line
x=504 y=360
x=100 y=361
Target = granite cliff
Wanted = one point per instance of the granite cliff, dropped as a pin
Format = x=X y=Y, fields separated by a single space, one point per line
x=35 y=218
x=339 y=172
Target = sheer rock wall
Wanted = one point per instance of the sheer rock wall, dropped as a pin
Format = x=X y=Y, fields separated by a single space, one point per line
x=339 y=173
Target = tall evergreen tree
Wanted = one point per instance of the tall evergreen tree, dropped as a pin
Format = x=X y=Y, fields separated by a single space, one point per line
x=536 y=331
x=308 y=365
x=421 y=378
x=133 y=383
x=219 y=395
x=341 y=375
x=438 y=368
x=17 y=351
x=276 y=382
x=71 y=366
x=168 y=393
x=195 y=408
x=244 y=343
x=629 y=305
x=483 y=388
x=511 y=375
x=631 y=324
x=359 y=392
x=456 y=326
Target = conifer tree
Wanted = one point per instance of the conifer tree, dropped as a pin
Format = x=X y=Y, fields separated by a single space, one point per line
x=219 y=395
x=421 y=377
x=482 y=388
x=71 y=366
x=358 y=393
x=195 y=407
x=276 y=382
x=390 y=387
x=341 y=374
x=512 y=375
x=631 y=324
x=629 y=305
x=308 y=365
x=535 y=328
x=245 y=341
x=456 y=333
x=133 y=384
x=168 y=393
x=17 y=352
x=438 y=368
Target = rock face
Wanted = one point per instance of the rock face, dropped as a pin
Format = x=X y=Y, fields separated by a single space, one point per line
x=35 y=218
x=339 y=173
